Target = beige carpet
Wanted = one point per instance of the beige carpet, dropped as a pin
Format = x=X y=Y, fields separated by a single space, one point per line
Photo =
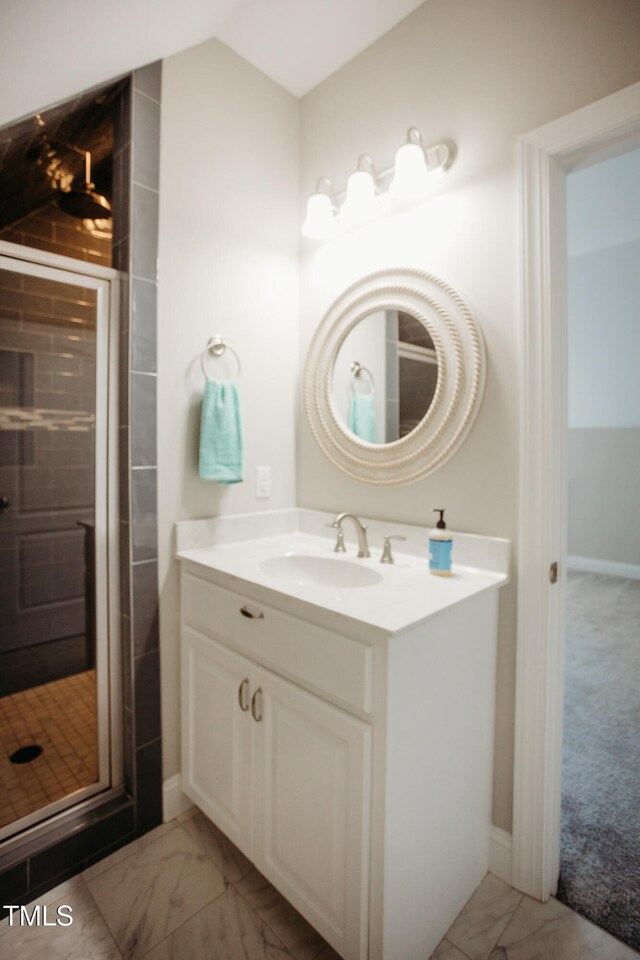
x=600 y=825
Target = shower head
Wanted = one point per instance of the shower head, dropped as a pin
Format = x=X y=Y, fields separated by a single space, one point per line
x=82 y=201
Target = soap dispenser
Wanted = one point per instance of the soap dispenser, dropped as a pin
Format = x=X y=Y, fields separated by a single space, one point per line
x=440 y=543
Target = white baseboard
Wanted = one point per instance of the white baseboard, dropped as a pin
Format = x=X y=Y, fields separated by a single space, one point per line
x=500 y=854
x=609 y=567
x=174 y=801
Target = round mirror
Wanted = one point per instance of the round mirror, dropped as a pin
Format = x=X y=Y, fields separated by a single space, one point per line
x=394 y=377
x=385 y=376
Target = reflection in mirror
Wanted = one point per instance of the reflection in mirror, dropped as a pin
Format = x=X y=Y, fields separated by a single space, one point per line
x=385 y=376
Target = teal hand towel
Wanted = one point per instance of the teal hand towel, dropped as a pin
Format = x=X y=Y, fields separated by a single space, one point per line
x=221 y=439
x=362 y=416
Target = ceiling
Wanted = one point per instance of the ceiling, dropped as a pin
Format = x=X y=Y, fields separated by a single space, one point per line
x=51 y=51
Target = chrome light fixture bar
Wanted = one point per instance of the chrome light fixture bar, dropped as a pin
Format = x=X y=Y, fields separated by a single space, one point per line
x=407 y=181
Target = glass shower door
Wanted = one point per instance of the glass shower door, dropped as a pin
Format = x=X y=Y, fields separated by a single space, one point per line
x=54 y=731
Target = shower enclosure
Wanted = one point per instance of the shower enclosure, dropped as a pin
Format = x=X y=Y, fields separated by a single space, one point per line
x=59 y=696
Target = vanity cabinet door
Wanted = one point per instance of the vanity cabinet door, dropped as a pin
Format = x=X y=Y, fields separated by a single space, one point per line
x=217 y=733
x=311 y=807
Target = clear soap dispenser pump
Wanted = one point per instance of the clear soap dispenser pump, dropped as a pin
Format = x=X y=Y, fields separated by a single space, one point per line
x=440 y=544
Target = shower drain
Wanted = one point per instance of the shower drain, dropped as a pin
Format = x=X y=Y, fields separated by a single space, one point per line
x=26 y=754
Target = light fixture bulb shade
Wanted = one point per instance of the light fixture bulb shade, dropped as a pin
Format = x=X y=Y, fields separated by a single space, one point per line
x=360 y=199
x=320 y=222
x=410 y=180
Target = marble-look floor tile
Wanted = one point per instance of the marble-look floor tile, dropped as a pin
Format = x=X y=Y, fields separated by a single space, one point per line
x=230 y=861
x=56 y=893
x=447 y=951
x=294 y=931
x=554 y=932
x=477 y=928
x=131 y=848
x=226 y=929
x=146 y=896
x=87 y=938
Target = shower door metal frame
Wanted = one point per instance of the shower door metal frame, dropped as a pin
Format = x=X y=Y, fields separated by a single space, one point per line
x=106 y=282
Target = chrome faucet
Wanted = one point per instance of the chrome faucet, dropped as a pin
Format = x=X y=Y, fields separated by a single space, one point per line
x=361 y=533
x=387 y=555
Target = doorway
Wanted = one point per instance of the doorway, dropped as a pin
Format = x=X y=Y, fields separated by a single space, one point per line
x=56 y=330
x=610 y=125
x=600 y=814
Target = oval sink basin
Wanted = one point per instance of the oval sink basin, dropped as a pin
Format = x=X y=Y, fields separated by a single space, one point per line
x=322 y=571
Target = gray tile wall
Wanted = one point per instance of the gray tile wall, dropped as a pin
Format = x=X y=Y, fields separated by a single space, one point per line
x=47 y=367
x=419 y=382
x=136 y=175
x=392 y=403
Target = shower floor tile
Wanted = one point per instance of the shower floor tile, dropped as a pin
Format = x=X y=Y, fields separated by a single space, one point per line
x=61 y=718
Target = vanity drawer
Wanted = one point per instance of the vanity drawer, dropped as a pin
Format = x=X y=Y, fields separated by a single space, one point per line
x=324 y=661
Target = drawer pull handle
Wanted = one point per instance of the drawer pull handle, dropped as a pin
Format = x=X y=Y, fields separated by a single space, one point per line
x=254 y=713
x=243 y=698
x=252 y=616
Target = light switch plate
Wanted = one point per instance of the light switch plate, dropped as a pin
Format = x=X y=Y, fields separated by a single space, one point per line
x=263 y=483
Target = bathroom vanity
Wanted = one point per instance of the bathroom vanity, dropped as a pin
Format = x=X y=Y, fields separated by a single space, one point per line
x=337 y=719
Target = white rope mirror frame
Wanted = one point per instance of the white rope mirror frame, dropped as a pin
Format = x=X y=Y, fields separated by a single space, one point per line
x=461 y=374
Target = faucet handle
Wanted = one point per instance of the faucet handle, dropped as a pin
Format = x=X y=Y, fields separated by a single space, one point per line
x=339 y=547
x=387 y=556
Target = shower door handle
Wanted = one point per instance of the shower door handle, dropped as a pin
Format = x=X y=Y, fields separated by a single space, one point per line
x=4 y=503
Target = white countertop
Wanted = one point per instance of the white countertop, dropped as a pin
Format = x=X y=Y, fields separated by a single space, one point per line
x=407 y=595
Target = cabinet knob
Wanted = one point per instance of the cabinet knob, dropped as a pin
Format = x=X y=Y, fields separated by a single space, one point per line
x=243 y=694
x=254 y=709
x=252 y=616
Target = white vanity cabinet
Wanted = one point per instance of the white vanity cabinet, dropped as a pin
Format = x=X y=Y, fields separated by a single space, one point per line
x=352 y=765
x=217 y=735
x=283 y=773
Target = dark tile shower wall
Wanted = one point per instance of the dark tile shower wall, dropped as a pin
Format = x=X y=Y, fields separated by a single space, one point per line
x=136 y=167
x=418 y=379
x=411 y=330
x=54 y=230
x=48 y=336
x=391 y=408
x=28 y=872
x=418 y=387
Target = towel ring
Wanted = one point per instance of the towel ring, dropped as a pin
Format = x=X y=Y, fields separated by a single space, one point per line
x=217 y=347
x=357 y=370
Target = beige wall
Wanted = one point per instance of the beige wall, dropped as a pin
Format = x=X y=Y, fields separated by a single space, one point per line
x=480 y=73
x=604 y=506
x=228 y=263
x=603 y=453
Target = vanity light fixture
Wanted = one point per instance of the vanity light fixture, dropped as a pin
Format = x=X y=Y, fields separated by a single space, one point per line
x=360 y=199
x=320 y=222
x=411 y=176
x=407 y=181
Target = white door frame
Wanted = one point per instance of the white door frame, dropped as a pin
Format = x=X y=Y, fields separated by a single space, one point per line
x=545 y=156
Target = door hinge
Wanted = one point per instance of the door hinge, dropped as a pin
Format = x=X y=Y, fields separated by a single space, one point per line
x=553 y=572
